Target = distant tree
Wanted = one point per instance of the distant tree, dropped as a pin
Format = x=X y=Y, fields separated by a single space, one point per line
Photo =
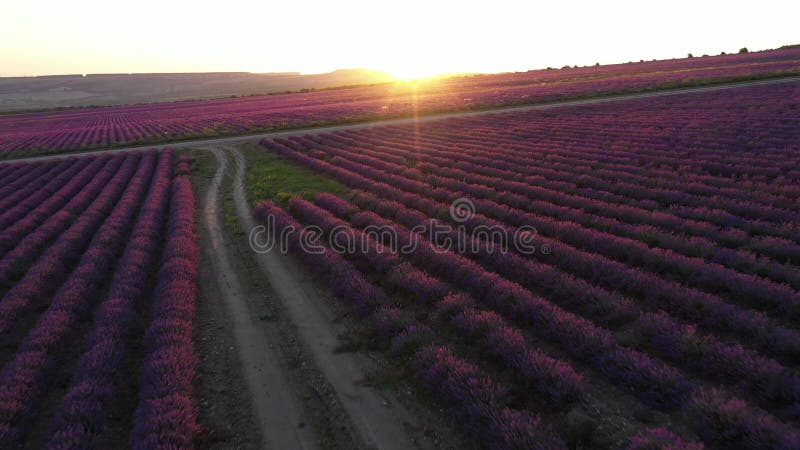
x=705 y=55
x=690 y=55
x=722 y=54
x=597 y=64
x=744 y=50
x=566 y=66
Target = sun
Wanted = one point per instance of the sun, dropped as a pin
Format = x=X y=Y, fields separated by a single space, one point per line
x=412 y=72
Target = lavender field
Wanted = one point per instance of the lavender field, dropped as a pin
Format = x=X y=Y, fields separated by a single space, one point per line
x=633 y=264
x=399 y=225
x=88 y=128
x=98 y=283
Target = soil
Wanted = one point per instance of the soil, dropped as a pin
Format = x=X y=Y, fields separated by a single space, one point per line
x=223 y=400
x=226 y=413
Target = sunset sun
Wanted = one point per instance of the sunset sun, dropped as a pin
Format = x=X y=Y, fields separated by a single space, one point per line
x=413 y=72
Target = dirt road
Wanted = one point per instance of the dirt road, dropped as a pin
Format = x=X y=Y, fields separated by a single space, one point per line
x=279 y=413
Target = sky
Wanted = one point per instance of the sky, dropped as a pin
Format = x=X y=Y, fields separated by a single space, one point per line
x=407 y=38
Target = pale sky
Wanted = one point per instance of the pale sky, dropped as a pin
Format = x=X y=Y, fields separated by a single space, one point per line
x=404 y=37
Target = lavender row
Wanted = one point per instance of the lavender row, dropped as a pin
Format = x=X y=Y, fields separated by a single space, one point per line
x=183 y=166
x=470 y=393
x=555 y=380
x=25 y=379
x=726 y=422
x=82 y=414
x=166 y=415
x=661 y=439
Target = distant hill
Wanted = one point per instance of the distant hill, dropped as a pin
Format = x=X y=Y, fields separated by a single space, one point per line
x=64 y=91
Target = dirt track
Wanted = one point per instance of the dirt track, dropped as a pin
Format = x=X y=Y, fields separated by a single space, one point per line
x=279 y=413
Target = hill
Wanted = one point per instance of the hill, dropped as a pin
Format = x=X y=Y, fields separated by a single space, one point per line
x=65 y=91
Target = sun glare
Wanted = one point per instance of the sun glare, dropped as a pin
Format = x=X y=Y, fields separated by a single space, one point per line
x=410 y=73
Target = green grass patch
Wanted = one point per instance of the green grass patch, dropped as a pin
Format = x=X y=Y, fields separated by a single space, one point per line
x=276 y=178
x=203 y=163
